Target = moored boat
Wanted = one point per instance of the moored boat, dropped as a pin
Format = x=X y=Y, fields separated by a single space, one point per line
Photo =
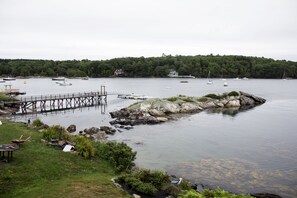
x=8 y=79
x=58 y=79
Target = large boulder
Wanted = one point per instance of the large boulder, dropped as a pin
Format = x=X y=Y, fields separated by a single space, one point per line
x=244 y=100
x=108 y=130
x=233 y=103
x=258 y=100
x=189 y=107
x=71 y=128
x=92 y=130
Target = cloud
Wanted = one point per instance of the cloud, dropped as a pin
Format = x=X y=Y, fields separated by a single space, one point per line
x=72 y=29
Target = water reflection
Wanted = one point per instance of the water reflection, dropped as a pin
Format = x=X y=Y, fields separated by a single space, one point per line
x=238 y=176
x=231 y=111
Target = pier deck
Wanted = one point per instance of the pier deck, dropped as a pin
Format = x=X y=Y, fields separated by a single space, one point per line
x=54 y=102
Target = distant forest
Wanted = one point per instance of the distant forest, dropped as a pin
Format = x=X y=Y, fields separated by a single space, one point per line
x=198 y=66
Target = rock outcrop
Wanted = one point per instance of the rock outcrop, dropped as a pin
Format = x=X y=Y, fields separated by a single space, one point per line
x=154 y=111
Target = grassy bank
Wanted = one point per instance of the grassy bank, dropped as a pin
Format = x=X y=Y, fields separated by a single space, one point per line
x=38 y=170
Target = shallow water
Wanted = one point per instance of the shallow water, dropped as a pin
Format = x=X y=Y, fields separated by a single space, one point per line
x=251 y=151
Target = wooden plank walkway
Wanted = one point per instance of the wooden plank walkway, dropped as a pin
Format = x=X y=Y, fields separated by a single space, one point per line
x=54 y=102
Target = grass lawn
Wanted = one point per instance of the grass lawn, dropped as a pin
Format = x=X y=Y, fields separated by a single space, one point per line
x=38 y=170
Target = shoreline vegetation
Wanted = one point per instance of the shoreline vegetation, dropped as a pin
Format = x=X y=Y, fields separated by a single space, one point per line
x=220 y=66
x=40 y=168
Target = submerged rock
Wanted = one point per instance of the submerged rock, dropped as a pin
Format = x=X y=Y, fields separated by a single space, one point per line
x=154 y=111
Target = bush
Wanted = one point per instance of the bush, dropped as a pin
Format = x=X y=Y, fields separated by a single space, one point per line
x=136 y=184
x=202 y=99
x=157 y=178
x=190 y=194
x=84 y=146
x=188 y=99
x=118 y=154
x=172 y=99
x=55 y=132
x=213 y=96
x=146 y=188
x=222 y=193
x=6 y=98
x=185 y=185
x=172 y=190
x=37 y=123
x=233 y=93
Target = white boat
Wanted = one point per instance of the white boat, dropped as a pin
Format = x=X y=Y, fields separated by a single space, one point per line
x=58 y=79
x=209 y=82
x=64 y=83
x=85 y=78
x=225 y=84
x=8 y=79
x=133 y=96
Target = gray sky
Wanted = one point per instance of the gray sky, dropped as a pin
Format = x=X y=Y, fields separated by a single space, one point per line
x=97 y=29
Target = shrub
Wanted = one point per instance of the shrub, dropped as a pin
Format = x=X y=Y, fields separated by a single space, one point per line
x=157 y=178
x=233 y=93
x=172 y=99
x=37 y=123
x=118 y=154
x=132 y=182
x=188 y=99
x=172 y=190
x=84 y=146
x=55 y=132
x=185 y=185
x=6 y=98
x=146 y=188
x=213 y=96
x=189 y=194
x=202 y=99
x=222 y=193
x=136 y=184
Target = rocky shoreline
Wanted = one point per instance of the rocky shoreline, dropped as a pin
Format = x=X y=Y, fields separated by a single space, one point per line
x=154 y=111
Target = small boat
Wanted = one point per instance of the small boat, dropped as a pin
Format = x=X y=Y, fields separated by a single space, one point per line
x=8 y=79
x=133 y=96
x=85 y=78
x=225 y=84
x=209 y=82
x=58 y=79
x=64 y=84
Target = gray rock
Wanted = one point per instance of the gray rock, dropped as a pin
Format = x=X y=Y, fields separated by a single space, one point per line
x=246 y=101
x=233 y=103
x=107 y=130
x=92 y=130
x=71 y=128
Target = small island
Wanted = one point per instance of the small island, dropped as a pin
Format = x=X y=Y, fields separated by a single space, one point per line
x=154 y=111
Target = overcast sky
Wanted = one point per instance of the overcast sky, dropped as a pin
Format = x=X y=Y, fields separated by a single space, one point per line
x=97 y=29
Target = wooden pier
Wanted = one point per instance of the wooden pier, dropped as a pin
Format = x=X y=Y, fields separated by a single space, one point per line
x=48 y=103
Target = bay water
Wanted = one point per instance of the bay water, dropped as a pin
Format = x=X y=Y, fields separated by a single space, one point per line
x=246 y=152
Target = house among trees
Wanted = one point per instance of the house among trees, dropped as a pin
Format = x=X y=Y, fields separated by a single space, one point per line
x=119 y=73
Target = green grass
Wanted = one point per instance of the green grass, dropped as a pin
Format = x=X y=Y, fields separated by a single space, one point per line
x=38 y=170
x=5 y=98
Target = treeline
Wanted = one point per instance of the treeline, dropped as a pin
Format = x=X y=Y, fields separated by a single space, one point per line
x=199 y=66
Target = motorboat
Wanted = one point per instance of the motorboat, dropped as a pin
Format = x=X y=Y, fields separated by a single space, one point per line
x=59 y=79
x=8 y=79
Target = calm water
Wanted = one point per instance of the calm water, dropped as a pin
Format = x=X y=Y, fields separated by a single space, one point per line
x=253 y=151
